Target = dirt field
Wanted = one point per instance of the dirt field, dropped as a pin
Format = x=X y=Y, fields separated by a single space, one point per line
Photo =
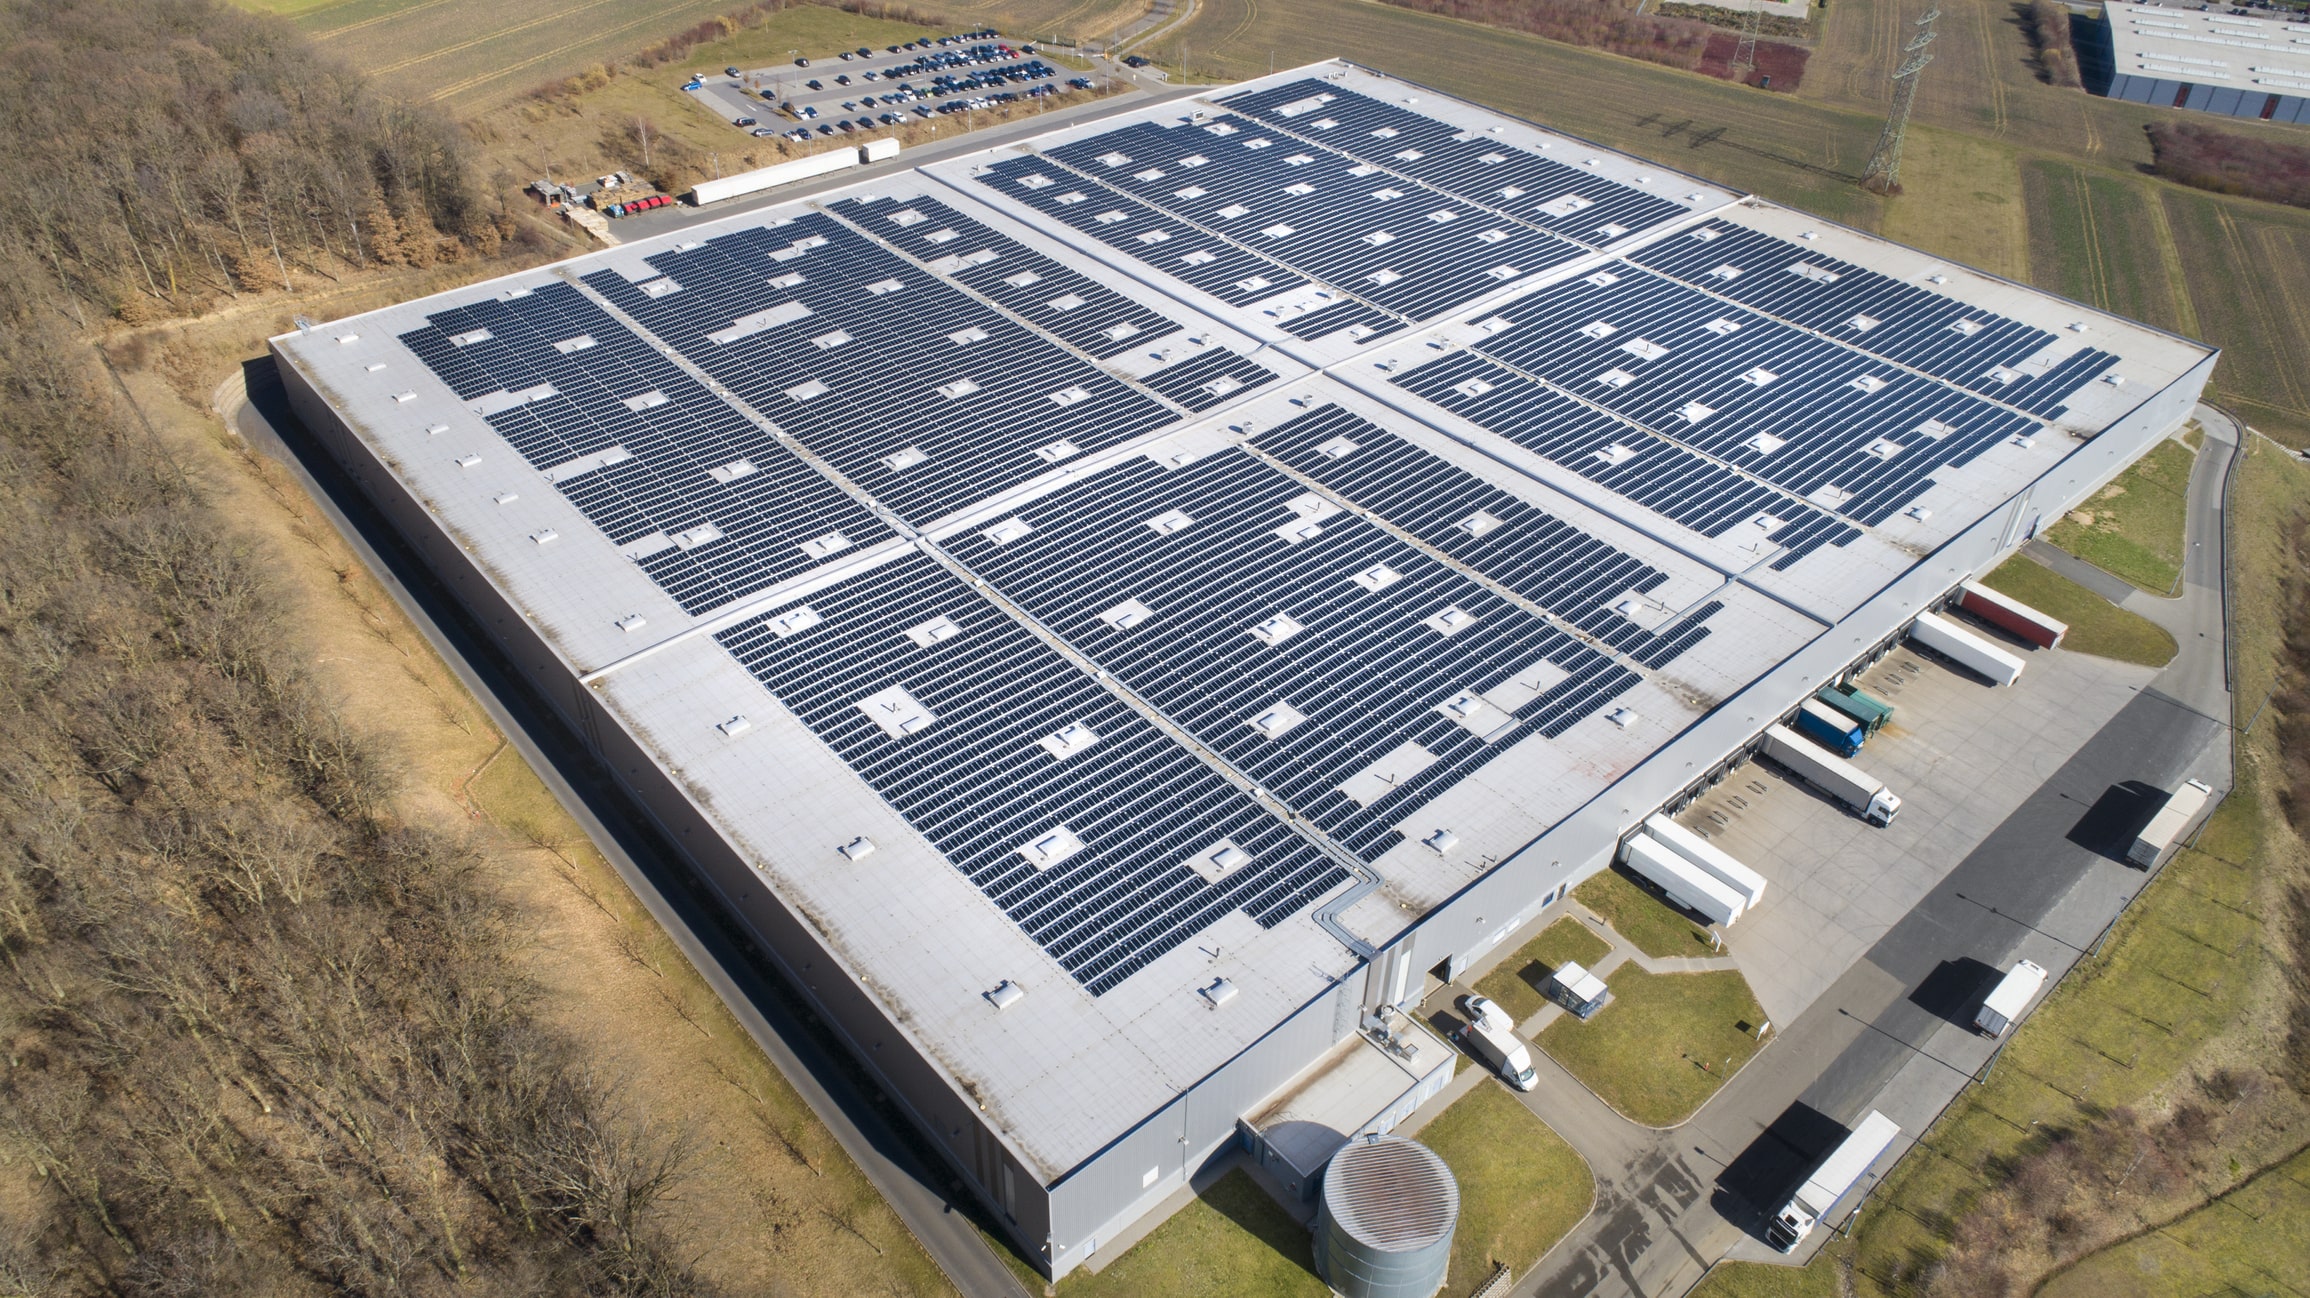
x=771 y=1205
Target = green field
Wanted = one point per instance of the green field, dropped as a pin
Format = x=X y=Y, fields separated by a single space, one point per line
x=1515 y=985
x=1233 y=1239
x=2133 y=526
x=1665 y=1043
x=1521 y=1187
x=2096 y=626
x=2254 y=1240
x=1644 y=919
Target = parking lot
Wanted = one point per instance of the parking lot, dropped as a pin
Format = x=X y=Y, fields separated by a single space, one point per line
x=871 y=89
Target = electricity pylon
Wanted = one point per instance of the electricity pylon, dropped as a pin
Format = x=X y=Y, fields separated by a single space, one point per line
x=1744 y=60
x=1883 y=174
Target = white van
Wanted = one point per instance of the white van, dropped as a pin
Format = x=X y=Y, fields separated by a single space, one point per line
x=1502 y=1052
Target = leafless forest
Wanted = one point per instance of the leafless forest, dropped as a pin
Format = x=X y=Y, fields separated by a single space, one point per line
x=261 y=1036
x=2231 y=163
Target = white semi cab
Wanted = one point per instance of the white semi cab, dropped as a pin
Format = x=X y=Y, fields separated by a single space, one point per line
x=1966 y=648
x=2011 y=996
x=1726 y=868
x=1831 y=1181
x=1833 y=775
x=2165 y=828
x=1686 y=884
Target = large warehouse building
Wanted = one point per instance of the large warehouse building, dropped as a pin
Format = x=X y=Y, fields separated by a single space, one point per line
x=1117 y=613
x=2212 y=61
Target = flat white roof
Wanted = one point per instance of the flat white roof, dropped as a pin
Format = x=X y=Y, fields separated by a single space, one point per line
x=951 y=549
x=2210 y=47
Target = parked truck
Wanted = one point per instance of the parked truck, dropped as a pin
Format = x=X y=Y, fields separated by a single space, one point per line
x=2166 y=828
x=1966 y=648
x=1501 y=1052
x=1727 y=868
x=1840 y=779
x=2010 y=997
x=1863 y=707
x=1831 y=1181
x=1830 y=728
x=2002 y=610
x=1686 y=884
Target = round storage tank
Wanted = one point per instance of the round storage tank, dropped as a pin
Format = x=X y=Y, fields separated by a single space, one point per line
x=1385 y=1229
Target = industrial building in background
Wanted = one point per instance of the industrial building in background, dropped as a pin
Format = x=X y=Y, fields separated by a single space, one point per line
x=1119 y=615
x=2210 y=60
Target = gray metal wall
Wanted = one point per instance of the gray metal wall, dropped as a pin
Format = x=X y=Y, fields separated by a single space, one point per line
x=2227 y=101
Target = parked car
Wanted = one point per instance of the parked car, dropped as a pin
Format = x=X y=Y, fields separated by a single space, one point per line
x=729 y=72
x=814 y=84
x=763 y=130
x=745 y=121
x=801 y=63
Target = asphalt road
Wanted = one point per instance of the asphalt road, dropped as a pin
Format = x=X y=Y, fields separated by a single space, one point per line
x=2045 y=882
x=875 y=1135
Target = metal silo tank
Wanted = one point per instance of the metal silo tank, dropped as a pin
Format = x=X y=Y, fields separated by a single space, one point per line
x=1385 y=1227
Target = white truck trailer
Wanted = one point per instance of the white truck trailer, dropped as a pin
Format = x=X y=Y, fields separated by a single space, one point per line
x=1833 y=775
x=1686 y=884
x=782 y=173
x=2011 y=996
x=1722 y=865
x=2166 y=828
x=1966 y=648
x=1831 y=1181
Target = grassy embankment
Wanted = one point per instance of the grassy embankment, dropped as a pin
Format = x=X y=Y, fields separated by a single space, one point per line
x=1515 y=985
x=2096 y=626
x=1641 y=917
x=2133 y=526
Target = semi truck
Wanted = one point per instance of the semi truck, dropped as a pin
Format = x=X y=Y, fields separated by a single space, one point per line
x=1727 y=868
x=2166 y=828
x=1863 y=707
x=1830 y=728
x=1831 y=1181
x=2004 y=611
x=1840 y=779
x=1686 y=884
x=786 y=173
x=1501 y=1052
x=2010 y=997
x=1966 y=648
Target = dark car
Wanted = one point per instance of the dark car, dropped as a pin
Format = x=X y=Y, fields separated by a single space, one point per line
x=865 y=53
x=814 y=84
x=729 y=72
x=801 y=63
x=745 y=121
x=842 y=78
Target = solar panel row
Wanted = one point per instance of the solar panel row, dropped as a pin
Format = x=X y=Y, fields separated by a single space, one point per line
x=1659 y=474
x=1349 y=674
x=1870 y=310
x=1573 y=575
x=1473 y=166
x=927 y=398
x=706 y=502
x=1839 y=427
x=1083 y=822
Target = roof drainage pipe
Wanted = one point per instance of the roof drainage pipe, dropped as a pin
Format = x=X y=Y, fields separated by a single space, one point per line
x=1368 y=881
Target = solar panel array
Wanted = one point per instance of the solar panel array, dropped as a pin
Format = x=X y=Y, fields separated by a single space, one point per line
x=1473 y=166
x=1812 y=417
x=1122 y=808
x=1514 y=544
x=1301 y=643
x=706 y=502
x=925 y=397
x=1870 y=310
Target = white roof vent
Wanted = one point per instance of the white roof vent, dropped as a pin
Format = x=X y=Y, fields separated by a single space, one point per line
x=1443 y=840
x=935 y=631
x=506 y=497
x=632 y=622
x=1069 y=740
x=436 y=430
x=545 y=536
x=1049 y=848
x=1622 y=717
x=1277 y=629
x=1005 y=994
x=734 y=727
x=857 y=849
x=1274 y=721
x=898 y=713
x=1126 y=615
x=1218 y=993
x=343 y=339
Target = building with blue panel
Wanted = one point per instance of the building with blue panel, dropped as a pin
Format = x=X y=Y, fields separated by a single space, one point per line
x=2208 y=60
x=1116 y=614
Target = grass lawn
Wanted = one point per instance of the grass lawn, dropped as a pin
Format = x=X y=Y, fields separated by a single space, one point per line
x=1233 y=1239
x=1643 y=1052
x=1515 y=985
x=1521 y=1187
x=1764 y=1280
x=2133 y=526
x=2096 y=626
x=2252 y=1241
x=1643 y=918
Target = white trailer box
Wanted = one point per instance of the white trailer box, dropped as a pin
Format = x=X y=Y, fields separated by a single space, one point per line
x=1966 y=649
x=1502 y=1052
x=784 y=173
x=1708 y=856
x=1686 y=884
x=1832 y=1180
x=2012 y=995
x=2166 y=828
x=1833 y=775
x=877 y=150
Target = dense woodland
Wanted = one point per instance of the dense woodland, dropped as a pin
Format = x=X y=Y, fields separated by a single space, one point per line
x=261 y=1036
x=169 y=153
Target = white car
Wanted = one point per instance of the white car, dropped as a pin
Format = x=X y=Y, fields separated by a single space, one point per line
x=1480 y=1009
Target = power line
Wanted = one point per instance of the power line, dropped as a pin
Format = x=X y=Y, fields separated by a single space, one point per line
x=1744 y=59
x=1883 y=174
